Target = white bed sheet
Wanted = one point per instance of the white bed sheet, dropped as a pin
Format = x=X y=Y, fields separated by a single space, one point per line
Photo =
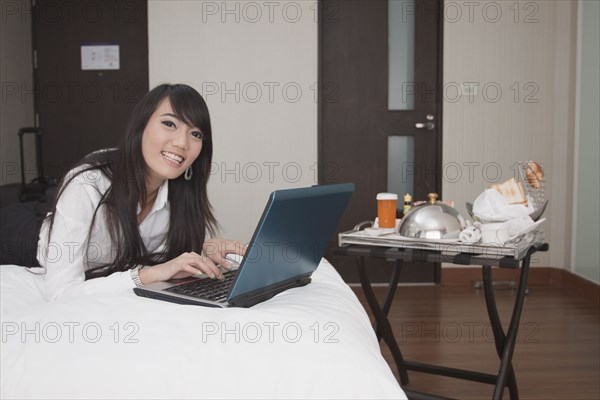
x=310 y=342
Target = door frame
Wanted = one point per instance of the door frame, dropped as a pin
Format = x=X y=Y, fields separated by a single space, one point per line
x=439 y=89
x=123 y=87
x=327 y=12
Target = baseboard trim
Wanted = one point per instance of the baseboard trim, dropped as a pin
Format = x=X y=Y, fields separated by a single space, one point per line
x=559 y=277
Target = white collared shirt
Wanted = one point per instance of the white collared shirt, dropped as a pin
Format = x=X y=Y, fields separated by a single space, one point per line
x=66 y=255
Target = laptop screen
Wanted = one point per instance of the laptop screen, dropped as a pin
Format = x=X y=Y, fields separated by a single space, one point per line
x=292 y=236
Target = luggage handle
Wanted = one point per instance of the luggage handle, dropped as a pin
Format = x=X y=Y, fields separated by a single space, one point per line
x=38 y=153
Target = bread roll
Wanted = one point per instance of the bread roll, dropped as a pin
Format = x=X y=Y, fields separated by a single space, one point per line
x=534 y=174
x=513 y=191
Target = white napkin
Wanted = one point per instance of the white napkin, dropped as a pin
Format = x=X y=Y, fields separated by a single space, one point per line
x=470 y=234
x=491 y=206
x=517 y=224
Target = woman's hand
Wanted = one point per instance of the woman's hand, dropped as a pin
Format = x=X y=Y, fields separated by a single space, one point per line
x=217 y=248
x=184 y=266
x=189 y=264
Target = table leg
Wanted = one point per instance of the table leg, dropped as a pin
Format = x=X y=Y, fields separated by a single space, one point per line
x=382 y=323
x=505 y=343
x=389 y=297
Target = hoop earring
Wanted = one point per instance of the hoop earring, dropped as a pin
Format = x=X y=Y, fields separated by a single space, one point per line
x=188 y=173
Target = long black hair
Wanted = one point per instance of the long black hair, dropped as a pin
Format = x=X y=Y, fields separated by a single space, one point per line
x=191 y=214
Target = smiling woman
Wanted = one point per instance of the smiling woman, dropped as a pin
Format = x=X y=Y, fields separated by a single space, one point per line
x=140 y=213
x=169 y=145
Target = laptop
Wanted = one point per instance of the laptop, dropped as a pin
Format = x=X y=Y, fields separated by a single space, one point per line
x=286 y=248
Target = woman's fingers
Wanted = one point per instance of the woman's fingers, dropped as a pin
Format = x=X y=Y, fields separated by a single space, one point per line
x=185 y=272
x=186 y=265
x=204 y=264
x=222 y=247
x=234 y=247
x=239 y=248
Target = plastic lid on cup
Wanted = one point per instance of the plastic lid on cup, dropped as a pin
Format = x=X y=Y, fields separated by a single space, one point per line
x=387 y=196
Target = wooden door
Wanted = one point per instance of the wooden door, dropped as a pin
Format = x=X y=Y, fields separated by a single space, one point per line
x=82 y=110
x=360 y=127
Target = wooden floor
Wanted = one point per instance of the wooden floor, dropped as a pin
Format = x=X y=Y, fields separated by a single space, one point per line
x=557 y=355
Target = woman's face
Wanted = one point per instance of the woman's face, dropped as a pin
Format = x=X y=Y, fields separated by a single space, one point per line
x=169 y=145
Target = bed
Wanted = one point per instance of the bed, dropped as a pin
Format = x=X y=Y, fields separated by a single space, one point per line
x=314 y=341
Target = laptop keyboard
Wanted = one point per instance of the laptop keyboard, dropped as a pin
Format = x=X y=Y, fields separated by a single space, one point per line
x=210 y=289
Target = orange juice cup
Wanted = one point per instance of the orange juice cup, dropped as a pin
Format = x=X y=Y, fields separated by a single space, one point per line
x=386 y=209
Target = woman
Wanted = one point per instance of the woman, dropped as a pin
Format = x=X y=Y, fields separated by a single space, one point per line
x=140 y=213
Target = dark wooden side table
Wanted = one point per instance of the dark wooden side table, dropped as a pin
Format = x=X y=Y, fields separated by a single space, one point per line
x=504 y=340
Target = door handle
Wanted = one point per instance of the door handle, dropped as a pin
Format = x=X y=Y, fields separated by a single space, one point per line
x=429 y=125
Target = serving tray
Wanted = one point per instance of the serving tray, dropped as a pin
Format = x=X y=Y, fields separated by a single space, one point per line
x=516 y=249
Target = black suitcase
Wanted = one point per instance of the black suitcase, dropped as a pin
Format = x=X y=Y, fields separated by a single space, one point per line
x=20 y=221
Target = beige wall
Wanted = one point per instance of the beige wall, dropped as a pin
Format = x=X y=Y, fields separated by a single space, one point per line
x=16 y=104
x=524 y=67
x=256 y=65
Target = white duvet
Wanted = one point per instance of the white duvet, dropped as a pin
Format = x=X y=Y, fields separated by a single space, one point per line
x=310 y=342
